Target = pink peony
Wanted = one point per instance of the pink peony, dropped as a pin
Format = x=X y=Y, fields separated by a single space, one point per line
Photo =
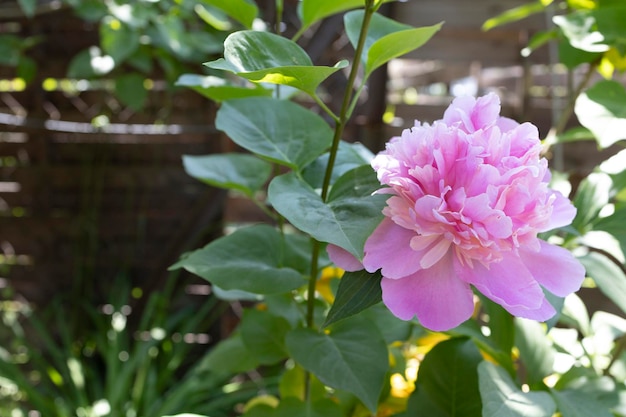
x=469 y=194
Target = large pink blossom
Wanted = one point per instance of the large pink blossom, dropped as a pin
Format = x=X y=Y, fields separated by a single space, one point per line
x=469 y=194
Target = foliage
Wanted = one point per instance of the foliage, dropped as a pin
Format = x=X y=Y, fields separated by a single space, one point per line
x=342 y=353
x=117 y=367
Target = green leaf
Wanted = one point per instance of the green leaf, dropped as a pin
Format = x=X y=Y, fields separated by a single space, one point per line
x=315 y=10
x=502 y=333
x=292 y=384
x=241 y=10
x=447 y=380
x=575 y=134
x=502 y=398
x=130 y=90
x=291 y=407
x=392 y=328
x=118 y=40
x=610 y=21
x=281 y=131
x=251 y=259
x=602 y=109
x=580 y=30
x=349 y=156
x=26 y=69
x=615 y=224
x=573 y=57
x=263 y=334
x=608 y=276
x=264 y=57
x=230 y=356
x=349 y=217
x=89 y=63
x=218 y=89
x=536 y=351
x=386 y=39
x=514 y=14
x=357 y=291
x=574 y=403
x=352 y=356
x=592 y=195
x=234 y=171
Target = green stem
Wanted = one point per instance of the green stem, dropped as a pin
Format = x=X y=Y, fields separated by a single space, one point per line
x=339 y=127
x=279 y=16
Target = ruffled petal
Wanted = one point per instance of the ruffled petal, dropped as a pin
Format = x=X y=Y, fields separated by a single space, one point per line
x=389 y=248
x=563 y=212
x=508 y=282
x=436 y=296
x=343 y=259
x=554 y=268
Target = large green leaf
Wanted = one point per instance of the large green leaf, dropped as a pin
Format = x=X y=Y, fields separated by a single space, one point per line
x=447 y=380
x=251 y=259
x=357 y=291
x=608 y=276
x=235 y=171
x=574 y=403
x=264 y=57
x=502 y=398
x=352 y=356
x=615 y=224
x=515 y=14
x=263 y=334
x=602 y=109
x=386 y=39
x=280 y=131
x=242 y=11
x=219 y=89
x=348 y=218
x=230 y=356
x=580 y=29
x=536 y=351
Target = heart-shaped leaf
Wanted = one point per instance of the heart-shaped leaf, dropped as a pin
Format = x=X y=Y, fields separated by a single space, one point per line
x=352 y=356
x=264 y=57
x=278 y=130
x=601 y=109
x=502 y=398
x=251 y=259
x=242 y=11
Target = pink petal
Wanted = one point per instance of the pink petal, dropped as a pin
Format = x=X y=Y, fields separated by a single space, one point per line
x=543 y=313
x=389 y=248
x=563 y=212
x=343 y=259
x=508 y=282
x=554 y=268
x=436 y=296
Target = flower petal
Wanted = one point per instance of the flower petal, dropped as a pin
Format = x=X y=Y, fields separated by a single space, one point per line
x=563 y=212
x=554 y=268
x=389 y=248
x=543 y=313
x=436 y=296
x=343 y=259
x=508 y=282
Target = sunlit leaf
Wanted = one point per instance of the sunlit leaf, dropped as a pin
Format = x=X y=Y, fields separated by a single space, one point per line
x=592 y=195
x=386 y=39
x=580 y=29
x=278 y=130
x=573 y=403
x=609 y=277
x=236 y=171
x=219 y=89
x=264 y=57
x=515 y=14
x=502 y=398
x=602 y=109
x=536 y=351
x=315 y=10
x=352 y=356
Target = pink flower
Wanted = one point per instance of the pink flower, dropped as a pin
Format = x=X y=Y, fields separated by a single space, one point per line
x=469 y=194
